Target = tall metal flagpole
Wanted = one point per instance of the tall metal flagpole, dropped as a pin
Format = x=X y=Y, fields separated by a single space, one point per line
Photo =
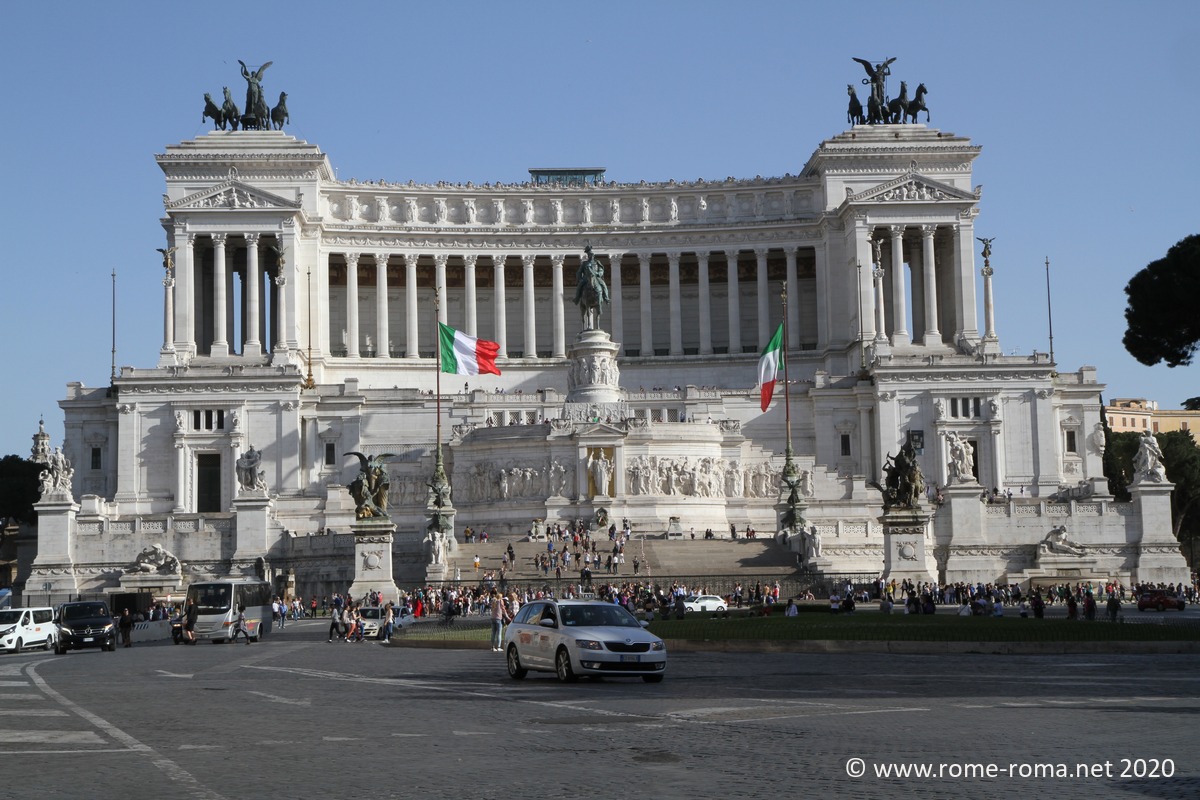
x=438 y=469
x=112 y=375
x=1049 y=310
x=793 y=513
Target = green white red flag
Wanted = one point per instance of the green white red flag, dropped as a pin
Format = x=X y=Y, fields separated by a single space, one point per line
x=463 y=354
x=769 y=364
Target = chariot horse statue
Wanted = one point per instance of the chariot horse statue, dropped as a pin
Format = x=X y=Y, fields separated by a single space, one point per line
x=917 y=105
x=854 y=113
x=591 y=292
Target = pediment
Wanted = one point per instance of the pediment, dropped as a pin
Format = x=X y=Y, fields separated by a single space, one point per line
x=234 y=195
x=599 y=430
x=912 y=187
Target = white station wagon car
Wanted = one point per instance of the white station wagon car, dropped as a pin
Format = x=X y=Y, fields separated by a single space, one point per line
x=582 y=637
x=704 y=602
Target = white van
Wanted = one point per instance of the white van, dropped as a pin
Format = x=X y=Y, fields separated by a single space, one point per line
x=26 y=627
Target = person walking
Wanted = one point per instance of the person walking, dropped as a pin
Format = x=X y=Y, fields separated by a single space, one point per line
x=499 y=611
x=126 y=626
x=239 y=625
x=189 y=621
x=389 y=622
x=335 y=622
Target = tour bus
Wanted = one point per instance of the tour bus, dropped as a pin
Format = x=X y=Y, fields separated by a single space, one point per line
x=217 y=608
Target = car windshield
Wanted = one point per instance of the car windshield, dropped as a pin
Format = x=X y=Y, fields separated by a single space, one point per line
x=598 y=614
x=85 y=611
x=10 y=617
x=211 y=598
x=369 y=613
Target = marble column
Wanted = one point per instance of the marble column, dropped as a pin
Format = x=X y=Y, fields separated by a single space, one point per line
x=220 y=343
x=281 y=342
x=989 y=312
x=558 y=345
x=470 y=321
x=185 y=297
x=899 y=295
x=527 y=306
x=352 y=305
x=932 y=335
x=439 y=282
x=252 y=345
x=964 y=280
x=880 y=321
x=501 y=314
x=764 y=298
x=616 y=292
x=646 y=343
x=167 y=356
x=382 y=333
x=675 y=304
x=793 y=295
x=735 y=312
x=412 y=338
x=705 y=317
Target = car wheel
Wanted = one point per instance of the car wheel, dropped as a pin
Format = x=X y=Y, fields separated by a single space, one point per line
x=721 y=608
x=46 y=645
x=1161 y=607
x=652 y=678
x=111 y=646
x=687 y=609
x=515 y=670
x=562 y=666
x=18 y=647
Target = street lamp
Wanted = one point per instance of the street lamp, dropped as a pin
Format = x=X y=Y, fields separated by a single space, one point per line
x=46 y=587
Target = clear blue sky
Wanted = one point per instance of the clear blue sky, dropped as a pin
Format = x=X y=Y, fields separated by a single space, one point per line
x=1087 y=113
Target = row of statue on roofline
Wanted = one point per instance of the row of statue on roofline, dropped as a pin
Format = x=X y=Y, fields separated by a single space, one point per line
x=258 y=117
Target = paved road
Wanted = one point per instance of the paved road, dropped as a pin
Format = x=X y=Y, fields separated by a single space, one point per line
x=294 y=716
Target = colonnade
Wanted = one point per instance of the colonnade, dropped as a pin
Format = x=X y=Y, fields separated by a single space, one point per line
x=351 y=341
x=200 y=295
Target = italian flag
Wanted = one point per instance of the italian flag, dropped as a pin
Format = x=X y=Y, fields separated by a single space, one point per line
x=466 y=355
x=769 y=364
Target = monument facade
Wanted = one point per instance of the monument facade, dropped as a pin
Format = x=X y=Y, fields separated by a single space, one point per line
x=298 y=311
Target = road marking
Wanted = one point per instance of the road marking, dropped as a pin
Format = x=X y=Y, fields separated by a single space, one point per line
x=341 y=738
x=168 y=767
x=50 y=737
x=166 y=674
x=470 y=733
x=21 y=697
x=274 y=698
x=31 y=712
x=11 y=684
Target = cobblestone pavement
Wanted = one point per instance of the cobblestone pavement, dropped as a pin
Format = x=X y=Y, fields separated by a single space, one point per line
x=295 y=716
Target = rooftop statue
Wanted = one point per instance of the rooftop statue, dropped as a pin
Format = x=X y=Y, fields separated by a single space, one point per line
x=256 y=105
x=877 y=80
x=591 y=292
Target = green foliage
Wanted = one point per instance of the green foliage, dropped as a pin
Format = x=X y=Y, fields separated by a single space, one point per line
x=1191 y=404
x=1161 y=319
x=18 y=490
x=1181 y=457
x=1118 y=462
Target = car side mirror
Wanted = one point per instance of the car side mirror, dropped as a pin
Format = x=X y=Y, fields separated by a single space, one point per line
x=548 y=623
x=645 y=623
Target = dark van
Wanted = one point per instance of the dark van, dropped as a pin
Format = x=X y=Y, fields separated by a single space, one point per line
x=85 y=623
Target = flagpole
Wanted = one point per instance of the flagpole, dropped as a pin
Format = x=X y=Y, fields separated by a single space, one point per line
x=787 y=403
x=438 y=469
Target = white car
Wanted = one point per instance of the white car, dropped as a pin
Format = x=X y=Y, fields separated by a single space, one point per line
x=704 y=602
x=582 y=637
x=27 y=627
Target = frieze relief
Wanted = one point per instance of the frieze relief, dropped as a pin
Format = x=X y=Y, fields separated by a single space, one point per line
x=705 y=477
x=489 y=481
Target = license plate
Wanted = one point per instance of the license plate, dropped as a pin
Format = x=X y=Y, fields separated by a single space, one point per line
x=87 y=638
x=630 y=659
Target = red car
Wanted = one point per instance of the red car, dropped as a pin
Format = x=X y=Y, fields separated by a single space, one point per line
x=1160 y=600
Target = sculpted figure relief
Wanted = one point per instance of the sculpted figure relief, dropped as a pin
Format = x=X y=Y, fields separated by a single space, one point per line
x=1148 y=463
x=1057 y=542
x=250 y=477
x=155 y=559
x=56 y=477
x=370 y=488
x=256 y=106
x=962 y=459
x=601 y=469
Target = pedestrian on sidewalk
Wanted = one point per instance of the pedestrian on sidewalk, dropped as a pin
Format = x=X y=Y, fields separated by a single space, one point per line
x=126 y=626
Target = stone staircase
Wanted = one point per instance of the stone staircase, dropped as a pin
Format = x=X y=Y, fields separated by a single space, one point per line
x=658 y=556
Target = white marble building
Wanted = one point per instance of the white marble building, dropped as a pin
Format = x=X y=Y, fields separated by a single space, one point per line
x=331 y=351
